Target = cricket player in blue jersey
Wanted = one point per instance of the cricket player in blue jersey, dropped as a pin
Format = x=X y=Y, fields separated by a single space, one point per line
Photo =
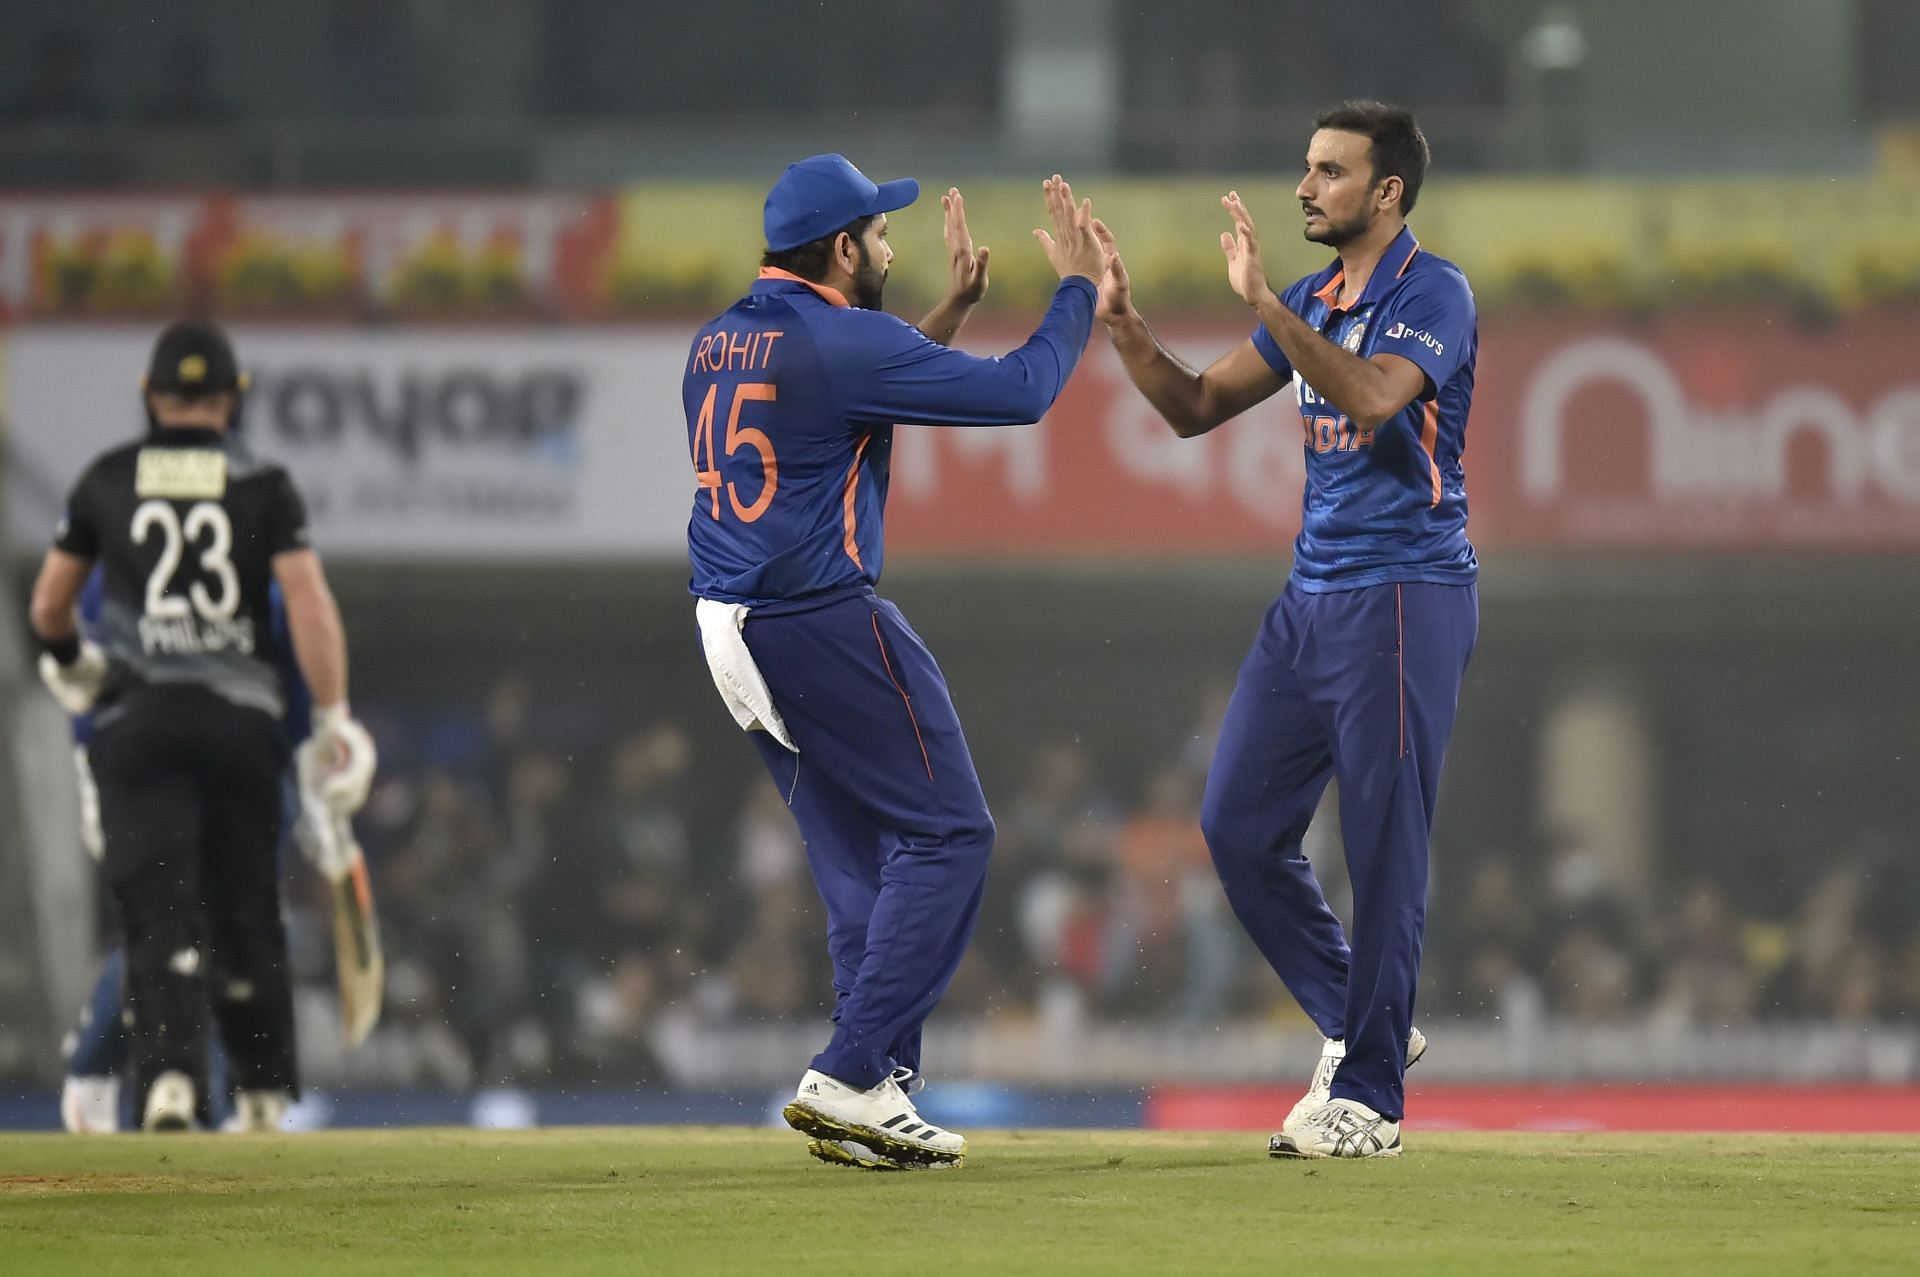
x=1356 y=670
x=791 y=400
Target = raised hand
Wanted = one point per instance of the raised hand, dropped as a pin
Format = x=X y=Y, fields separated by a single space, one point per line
x=1116 y=290
x=1242 y=246
x=1073 y=248
x=967 y=265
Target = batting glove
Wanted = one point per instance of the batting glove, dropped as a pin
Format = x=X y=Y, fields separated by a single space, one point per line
x=336 y=762
x=76 y=685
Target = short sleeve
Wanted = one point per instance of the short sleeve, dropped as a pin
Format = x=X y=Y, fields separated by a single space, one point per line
x=286 y=521
x=1431 y=322
x=78 y=532
x=1270 y=351
x=1293 y=299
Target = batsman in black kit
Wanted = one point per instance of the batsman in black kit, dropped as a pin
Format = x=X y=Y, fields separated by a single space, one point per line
x=194 y=534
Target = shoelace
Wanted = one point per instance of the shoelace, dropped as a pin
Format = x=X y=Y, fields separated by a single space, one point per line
x=1347 y=1128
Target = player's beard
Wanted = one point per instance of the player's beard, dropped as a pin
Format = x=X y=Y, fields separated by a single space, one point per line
x=869 y=281
x=1334 y=234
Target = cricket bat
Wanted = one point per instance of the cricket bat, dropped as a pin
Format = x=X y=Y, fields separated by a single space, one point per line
x=356 y=936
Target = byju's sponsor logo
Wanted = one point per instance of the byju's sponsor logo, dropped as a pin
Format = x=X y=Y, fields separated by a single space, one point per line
x=1400 y=332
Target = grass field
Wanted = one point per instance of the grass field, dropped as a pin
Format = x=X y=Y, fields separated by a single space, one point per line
x=653 y=1200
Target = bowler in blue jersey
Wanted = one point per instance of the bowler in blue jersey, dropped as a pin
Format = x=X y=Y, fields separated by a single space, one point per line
x=1356 y=669
x=791 y=400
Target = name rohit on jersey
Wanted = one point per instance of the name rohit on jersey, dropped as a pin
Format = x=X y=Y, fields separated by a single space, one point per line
x=735 y=352
x=191 y=636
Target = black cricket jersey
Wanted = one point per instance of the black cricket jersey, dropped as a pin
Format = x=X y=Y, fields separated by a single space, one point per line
x=185 y=524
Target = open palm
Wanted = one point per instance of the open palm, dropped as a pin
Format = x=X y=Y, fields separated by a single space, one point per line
x=1245 y=271
x=967 y=265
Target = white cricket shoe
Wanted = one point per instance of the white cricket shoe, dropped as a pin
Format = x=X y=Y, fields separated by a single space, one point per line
x=855 y=1154
x=1320 y=1089
x=882 y=1122
x=169 y=1103
x=90 y=1105
x=258 y=1111
x=1338 y=1128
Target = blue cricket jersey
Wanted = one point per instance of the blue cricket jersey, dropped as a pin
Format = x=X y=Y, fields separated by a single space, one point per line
x=1388 y=504
x=791 y=398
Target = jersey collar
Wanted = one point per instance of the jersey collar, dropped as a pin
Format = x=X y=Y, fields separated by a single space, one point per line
x=187 y=437
x=832 y=295
x=1394 y=263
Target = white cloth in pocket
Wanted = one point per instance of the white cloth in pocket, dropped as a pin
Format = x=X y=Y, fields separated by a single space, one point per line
x=738 y=679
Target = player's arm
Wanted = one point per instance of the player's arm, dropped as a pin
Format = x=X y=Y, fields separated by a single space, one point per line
x=313 y=624
x=56 y=591
x=967 y=270
x=72 y=668
x=1368 y=391
x=336 y=761
x=890 y=371
x=1190 y=402
x=334 y=766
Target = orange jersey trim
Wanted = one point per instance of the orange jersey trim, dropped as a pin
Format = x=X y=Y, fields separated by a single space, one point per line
x=1330 y=291
x=1430 y=440
x=848 y=519
x=833 y=295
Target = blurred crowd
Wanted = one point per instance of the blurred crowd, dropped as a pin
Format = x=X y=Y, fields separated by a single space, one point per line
x=552 y=910
x=1566 y=937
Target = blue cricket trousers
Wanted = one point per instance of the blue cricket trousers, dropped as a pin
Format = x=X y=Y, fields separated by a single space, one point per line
x=1360 y=685
x=887 y=800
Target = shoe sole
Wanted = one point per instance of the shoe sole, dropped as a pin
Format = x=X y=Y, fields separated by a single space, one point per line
x=834 y=1153
x=824 y=1127
x=1283 y=1147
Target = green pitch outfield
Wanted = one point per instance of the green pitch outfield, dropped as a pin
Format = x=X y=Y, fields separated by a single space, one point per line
x=690 y=1201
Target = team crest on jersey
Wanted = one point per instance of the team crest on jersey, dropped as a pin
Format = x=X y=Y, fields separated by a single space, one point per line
x=182 y=474
x=1355 y=335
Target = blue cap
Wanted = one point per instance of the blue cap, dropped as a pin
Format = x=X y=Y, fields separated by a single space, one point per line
x=818 y=195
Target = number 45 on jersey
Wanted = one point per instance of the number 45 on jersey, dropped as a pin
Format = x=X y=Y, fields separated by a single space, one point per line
x=737 y=437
